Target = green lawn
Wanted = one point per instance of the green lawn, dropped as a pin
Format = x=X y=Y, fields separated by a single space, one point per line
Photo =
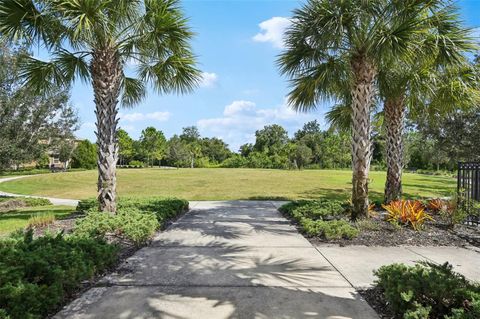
x=16 y=219
x=225 y=184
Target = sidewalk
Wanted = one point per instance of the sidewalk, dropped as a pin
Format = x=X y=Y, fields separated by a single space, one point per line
x=54 y=201
x=237 y=259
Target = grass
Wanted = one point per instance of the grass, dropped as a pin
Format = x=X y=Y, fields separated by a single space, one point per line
x=19 y=218
x=226 y=184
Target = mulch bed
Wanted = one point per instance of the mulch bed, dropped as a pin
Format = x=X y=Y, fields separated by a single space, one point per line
x=11 y=204
x=433 y=234
x=374 y=297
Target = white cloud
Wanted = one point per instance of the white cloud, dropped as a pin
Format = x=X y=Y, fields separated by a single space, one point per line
x=242 y=118
x=136 y=117
x=209 y=80
x=238 y=107
x=272 y=30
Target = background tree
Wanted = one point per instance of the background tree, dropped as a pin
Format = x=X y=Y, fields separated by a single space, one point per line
x=152 y=145
x=246 y=149
x=214 y=149
x=85 y=155
x=104 y=35
x=178 y=154
x=333 y=45
x=191 y=137
x=29 y=122
x=311 y=136
x=65 y=151
x=300 y=155
x=271 y=139
x=125 y=146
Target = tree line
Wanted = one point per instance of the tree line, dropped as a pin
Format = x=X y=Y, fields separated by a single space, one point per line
x=432 y=144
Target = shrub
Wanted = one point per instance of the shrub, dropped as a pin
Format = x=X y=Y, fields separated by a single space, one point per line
x=40 y=220
x=427 y=290
x=29 y=201
x=163 y=208
x=366 y=224
x=335 y=229
x=136 y=218
x=407 y=212
x=320 y=218
x=37 y=275
x=322 y=209
x=236 y=161
x=136 y=164
x=85 y=155
x=132 y=224
x=33 y=202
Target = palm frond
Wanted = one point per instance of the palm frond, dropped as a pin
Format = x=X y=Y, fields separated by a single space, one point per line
x=133 y=91
x=340 y=117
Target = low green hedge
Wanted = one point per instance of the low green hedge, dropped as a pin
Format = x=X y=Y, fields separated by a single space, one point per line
x=428 y=290
x=321 y=209
x=137 y=219
x=325 y=218
x=163 y=208
x=38 y=275
x=134 y=225
x=29 y=201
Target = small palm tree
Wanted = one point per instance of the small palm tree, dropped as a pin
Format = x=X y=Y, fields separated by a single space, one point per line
x=338 y=44
x=93 y=41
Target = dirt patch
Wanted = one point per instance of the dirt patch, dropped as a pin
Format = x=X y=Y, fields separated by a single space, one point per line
x=64 y=225
x=374 y=297
x=11 y=204
x=433 y=234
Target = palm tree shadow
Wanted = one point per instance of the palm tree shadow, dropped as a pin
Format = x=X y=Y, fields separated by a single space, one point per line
x=218 y=279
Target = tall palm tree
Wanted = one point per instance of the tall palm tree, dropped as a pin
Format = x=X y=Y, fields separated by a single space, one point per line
x=336 y=42
x=418 y=90
x=439 y=77
x=94 y=41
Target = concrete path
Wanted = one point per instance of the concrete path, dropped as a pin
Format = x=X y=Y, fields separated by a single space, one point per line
x=237 y=259
x=54 y=201
x=357 y=263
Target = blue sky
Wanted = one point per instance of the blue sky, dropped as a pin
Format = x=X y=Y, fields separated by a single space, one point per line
x=237 y=43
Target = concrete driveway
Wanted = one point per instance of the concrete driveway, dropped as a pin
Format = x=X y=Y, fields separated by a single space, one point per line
x=237 y=259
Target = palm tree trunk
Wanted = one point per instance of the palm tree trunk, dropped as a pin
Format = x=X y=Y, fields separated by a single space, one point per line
x=362 y=100
x=106 y=78
x=394 y=118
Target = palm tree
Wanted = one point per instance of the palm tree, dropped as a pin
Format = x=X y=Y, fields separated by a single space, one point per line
x=333 y=44
x=438 y=77
x=95 y=41
x=417 y=89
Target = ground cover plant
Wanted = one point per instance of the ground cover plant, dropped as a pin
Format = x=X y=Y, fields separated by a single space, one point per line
x=38 y=275
x=424 y=291
x=136 y=219
x=25 y=201
x=324 y=218
x=227 y=184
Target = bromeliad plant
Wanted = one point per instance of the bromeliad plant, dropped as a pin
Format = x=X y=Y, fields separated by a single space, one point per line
x=407 y=212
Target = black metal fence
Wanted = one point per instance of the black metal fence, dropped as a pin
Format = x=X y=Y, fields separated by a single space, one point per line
x=468 y=188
